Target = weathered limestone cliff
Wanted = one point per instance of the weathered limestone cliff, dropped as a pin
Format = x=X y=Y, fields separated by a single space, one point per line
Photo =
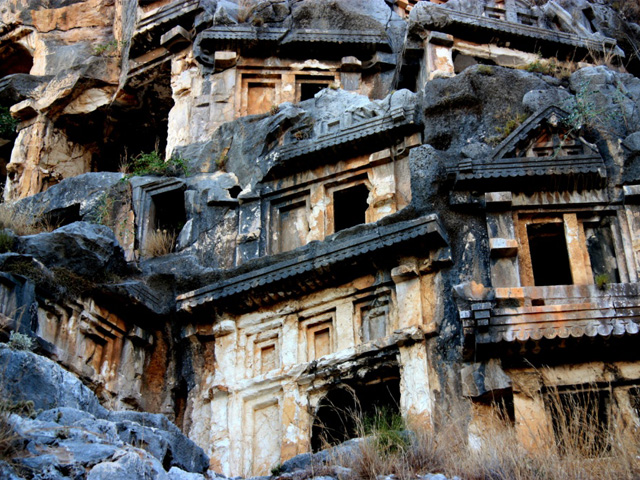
x=241 y=214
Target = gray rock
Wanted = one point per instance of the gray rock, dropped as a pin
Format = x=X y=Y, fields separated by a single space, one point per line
x=481 y=378
x=538 y=99
x=183 y=453
x=299 y=462
x=632 y=142
x=64 y=416
x=146 y=438
x=27 y=376
x=71 y=199
x=85 y=453
x=7 y=472
x=176 y=473
x=129 y=465
x=84 y=248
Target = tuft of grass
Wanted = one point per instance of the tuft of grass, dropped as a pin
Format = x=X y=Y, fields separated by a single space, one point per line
x=602 y=281
x=73 y=284
x=159 y=243
x=552 y=67
x=24 y=408
x=11 y=444
x=486 y=70
x=511 y=122
x=21 y=223
x=104 y=210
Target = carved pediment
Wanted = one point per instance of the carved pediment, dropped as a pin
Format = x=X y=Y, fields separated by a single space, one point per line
x=544 y=153
x=544 y=134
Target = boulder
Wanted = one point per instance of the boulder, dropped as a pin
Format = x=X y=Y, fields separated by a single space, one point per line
x=81 y=247
x=27 y=376
x=129 y=465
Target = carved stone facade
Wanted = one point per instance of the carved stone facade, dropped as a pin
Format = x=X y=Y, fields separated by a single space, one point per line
x=385 y=204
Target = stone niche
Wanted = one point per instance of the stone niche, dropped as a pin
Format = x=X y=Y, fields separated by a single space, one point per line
x=159 y=206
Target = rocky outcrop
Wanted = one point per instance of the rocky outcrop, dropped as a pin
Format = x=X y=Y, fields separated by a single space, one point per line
x=71 y=434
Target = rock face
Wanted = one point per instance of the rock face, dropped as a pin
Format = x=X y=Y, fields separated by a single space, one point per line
x=74 y=433
x=242 y=214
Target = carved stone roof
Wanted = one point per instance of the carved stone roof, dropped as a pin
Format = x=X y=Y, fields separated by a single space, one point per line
x=585 y=170
x=433 y=17
x=371 y=133
x=317 y=265
x=569 y=311
x=369 y=37
x=153 y=25
x=237 y=37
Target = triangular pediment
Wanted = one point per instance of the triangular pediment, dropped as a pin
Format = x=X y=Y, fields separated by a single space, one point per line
x=545 y=134
x=543 y=153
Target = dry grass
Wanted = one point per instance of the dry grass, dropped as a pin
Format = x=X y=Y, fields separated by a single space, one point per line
x=158 y=243
x=21 y=223
x=11 y=443
x=582 y=449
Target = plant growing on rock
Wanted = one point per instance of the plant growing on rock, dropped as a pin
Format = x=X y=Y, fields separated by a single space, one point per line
x=6 y=241
x=11 y=444
x=158 y=243
x=20 y=341
x=153 y=164
x=8 y=124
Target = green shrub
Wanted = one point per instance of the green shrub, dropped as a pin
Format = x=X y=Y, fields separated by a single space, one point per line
x=6 y=241
x=388 y=429
x=8 y=124
x=20 y=341
x=153 y=164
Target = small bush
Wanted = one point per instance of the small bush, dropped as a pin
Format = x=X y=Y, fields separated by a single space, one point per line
x=486 y=70
x=602 y=280
x=24 y=408
x=6 y=241
x=73 y=284
x=20 y=341
x=159 y=243
x=153 y=164
x=8 y=124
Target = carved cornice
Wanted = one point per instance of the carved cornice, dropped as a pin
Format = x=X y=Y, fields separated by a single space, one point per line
x=568 y=311
x=433 y=17
x=269 y=39
x=153 y=25
x=375 y=132
x=315 y=267
x=542 y=172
